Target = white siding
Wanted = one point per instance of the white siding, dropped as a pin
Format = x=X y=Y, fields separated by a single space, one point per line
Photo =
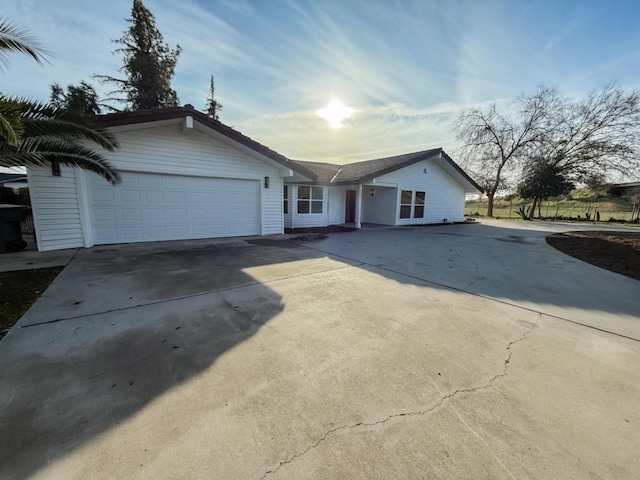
x=167 y=150
x=306 y=220
x=336 y=207
x=380 y=208
x=444 y=195
x=55 y=208
x=164 y=150
x=150 y=206
x=287 y=216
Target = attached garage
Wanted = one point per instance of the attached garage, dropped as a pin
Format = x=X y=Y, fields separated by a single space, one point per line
x=150 y=207
x=184 y=176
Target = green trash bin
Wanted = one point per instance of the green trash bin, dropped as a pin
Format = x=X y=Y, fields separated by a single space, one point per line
x=10 y=234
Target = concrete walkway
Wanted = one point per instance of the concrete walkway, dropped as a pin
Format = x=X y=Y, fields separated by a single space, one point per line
x=468 y=351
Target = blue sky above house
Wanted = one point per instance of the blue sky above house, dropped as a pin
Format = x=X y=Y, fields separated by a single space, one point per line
x=407 y=67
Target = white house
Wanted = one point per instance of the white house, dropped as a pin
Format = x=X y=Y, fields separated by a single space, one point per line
x=186 y=176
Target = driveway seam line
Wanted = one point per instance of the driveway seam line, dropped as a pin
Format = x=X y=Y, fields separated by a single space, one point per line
x=457 y=289
x=184 y=297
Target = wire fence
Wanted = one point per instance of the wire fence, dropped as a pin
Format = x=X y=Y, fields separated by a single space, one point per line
x=603 y=212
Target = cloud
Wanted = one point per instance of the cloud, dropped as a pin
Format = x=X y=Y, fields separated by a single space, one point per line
x=407 y=66
x=371 y=132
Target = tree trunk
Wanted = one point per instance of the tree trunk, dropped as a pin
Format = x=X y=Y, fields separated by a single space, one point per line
x=490 y=204
x=533 y=208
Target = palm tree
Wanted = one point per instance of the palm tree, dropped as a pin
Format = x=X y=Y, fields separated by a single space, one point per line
x=36 y=134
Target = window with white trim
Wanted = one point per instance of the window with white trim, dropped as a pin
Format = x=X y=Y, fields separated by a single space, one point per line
x=405 y=203
x=418 y=205
x=310 y=199
x=412 y=204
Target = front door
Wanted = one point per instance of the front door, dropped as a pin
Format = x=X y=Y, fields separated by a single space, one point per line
x=350 y=207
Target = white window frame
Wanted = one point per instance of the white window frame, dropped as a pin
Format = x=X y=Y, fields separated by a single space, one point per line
x=285 y=197
x=312 y=202
x=411 y=206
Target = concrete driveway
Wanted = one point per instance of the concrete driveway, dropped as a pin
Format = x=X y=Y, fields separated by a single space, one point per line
x=467 y=351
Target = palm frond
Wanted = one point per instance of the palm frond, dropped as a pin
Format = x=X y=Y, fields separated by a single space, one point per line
x=69 y=131
x=17 y=39
x=41 y=152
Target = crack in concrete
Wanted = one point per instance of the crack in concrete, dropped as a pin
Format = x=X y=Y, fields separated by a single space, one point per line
x=473 y=282
x=436 y=405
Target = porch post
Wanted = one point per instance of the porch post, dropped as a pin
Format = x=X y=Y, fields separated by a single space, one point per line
x=359 y=206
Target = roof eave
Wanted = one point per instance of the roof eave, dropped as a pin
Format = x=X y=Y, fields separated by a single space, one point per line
x=159 y=115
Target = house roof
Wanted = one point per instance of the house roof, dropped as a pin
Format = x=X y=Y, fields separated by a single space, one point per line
x=12 y=177
x=160 y=114
x=316 y=172
x=368 y=169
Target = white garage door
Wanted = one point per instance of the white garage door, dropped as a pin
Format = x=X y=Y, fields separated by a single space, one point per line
x=147 y=207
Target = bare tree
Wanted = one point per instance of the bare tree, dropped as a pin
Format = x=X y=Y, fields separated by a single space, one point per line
x=633 y=196
x=494 y=143
x=594 y=136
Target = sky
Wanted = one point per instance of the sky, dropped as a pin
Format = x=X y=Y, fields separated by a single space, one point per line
x=405 y=68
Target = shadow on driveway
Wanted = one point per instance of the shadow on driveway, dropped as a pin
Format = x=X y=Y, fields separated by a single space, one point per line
x=119 y=327
x=123 y=325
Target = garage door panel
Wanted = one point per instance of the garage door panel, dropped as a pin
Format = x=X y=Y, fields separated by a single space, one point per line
x=148 y=207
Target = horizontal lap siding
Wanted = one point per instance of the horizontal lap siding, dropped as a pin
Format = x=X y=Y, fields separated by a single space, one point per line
x=381 y=207
x=444 y=195
x=336 y=207
x=272 y=214
x=166 y=150
x=55 y=208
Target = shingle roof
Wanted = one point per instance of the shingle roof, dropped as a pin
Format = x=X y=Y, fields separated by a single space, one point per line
x=12 y=177
x=317 y=172
x=369 y=169
x=159 y=114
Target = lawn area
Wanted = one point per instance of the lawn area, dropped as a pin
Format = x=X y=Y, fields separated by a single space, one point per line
x=579 y=205
x=19 y=290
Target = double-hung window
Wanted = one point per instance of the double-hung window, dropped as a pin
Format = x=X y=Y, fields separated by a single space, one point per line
x=310 y=199
x=412 y=204
x=418 y=205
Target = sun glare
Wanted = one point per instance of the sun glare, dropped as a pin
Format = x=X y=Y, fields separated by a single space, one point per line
x=335 y=113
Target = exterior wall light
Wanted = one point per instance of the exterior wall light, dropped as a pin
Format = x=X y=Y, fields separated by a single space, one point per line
x=373 y=192
x=266 y=182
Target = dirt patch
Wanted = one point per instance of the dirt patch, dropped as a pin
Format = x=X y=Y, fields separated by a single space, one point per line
x=270 y=242
x=329 y=229
x=19 y=290
x=618 y=252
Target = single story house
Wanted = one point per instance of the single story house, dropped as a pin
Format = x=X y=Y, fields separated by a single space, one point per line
x=186 y=176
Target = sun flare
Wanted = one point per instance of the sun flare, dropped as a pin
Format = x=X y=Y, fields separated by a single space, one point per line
x=335 y=113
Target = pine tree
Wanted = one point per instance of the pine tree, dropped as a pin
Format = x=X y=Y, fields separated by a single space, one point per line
x=149 y=64
x=79 y=99
x=213 y=107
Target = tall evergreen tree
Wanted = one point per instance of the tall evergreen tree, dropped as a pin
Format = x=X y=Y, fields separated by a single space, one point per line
x=79 y=99
x=149 y=64
x=213 y=107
